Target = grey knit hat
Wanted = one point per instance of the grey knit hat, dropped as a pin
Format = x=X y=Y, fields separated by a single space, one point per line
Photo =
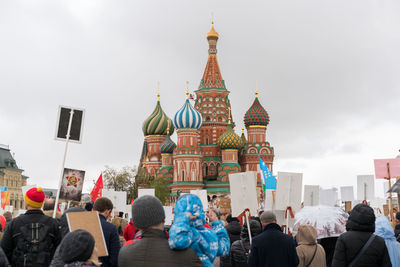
x=147 y=211
x=77 y=246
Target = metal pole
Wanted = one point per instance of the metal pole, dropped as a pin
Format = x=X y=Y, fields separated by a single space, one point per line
x=248 y=226
x=71 y=114
x=287 y=206
x=390 y=194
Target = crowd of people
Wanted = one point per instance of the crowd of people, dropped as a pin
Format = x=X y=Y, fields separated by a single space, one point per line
x=195 y=238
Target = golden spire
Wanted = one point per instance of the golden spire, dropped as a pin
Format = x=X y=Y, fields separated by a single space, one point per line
x=168 y=127
x=187 y=89
x=256 y=93
x=212 y=34
x=229 y=111
x=242 y=130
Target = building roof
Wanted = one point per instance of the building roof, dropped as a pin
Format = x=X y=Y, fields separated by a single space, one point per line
x=167 y=146
x=6 y=159
x=187 y=117
x=229 y=139
x=256 y=115
x=158 y=122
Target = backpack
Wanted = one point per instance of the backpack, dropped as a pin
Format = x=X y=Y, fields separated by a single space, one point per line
x=34 y=244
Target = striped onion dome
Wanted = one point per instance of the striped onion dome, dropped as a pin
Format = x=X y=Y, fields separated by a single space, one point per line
x=167 y=146
x=229 y=139
x=187 y=117
x=157 y=123
x=256 y=115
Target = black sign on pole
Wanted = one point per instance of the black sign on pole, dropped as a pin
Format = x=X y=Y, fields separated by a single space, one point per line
x=76 y=124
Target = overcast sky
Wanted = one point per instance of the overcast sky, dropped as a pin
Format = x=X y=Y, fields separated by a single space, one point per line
x=327 y=72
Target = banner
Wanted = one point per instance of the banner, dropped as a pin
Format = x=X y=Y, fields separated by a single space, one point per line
x=381 y=167
x=269 y=181
x=243 y=192
x=5 y=199
x=72 y=184
x=97 y=189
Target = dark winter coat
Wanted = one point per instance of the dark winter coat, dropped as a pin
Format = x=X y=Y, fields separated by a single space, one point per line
x=153 y=250
x=3 y=259
x=397 y=231
x=13 y=231
x=111 y=238
x=329 y=244
x=273 y=248
x=233 y=228
x=239 y=255
x=360 y=226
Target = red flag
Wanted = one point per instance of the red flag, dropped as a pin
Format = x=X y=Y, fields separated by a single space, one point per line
x=97 y=189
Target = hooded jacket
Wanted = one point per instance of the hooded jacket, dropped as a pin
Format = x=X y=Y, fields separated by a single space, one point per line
x=191 y=233
x=129 y=231
x=233 y=228
x=238 y=254
x=360 y=226
x=307 y=245
x=384 y=229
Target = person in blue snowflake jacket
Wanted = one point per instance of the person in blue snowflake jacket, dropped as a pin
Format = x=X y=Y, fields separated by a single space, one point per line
x=188 y=231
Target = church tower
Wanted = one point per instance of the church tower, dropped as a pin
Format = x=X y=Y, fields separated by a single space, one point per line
x=187 y=155
x=155 y=130
x=213 y=104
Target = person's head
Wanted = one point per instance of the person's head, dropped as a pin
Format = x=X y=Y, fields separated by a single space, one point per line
x=147 y=213
x=89 y=206
x=7 y=215
x=78 y=246
x=397 y=217
x=104 y=206
x=255 y=229
x=230 y=219
x=306 y=235
x=34 y=198
x=267 y=217
x=49 y=204
x=121 y=214
x=362 y=218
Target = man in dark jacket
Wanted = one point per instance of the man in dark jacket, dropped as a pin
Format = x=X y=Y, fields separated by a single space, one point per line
x=31 y=238
x=360 y=226
x=233 y=228
x=153 y=249
x=104 y=206
x=240 y=248
x=272 y=248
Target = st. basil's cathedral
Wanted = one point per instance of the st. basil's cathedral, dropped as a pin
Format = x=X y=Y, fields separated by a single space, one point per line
x=207 y=148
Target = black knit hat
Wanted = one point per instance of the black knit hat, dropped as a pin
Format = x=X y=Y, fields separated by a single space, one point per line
x=77 y=246
x=362 y=218
x=147 y=211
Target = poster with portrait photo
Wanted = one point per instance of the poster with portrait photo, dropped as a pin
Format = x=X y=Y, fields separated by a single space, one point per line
x=72 y=184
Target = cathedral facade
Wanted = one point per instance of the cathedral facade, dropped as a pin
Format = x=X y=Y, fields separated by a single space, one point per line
x=207 y=149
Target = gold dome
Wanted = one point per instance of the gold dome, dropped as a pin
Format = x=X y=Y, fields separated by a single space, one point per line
x=212 y=34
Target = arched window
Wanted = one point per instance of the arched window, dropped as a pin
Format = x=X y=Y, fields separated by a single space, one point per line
x=212 y=169
x=207 y=140
x=208 y=118
x=205 y=170
x=183 y=176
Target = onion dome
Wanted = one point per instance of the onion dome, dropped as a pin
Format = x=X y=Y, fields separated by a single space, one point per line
x=187 y=117
x=158 y=122
x=243 y=137
x=212 y=34
x=256 y=115
x=229 y=139
x=167 y=146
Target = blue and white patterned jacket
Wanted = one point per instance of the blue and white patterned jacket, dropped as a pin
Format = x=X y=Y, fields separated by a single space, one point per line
x=186 y=233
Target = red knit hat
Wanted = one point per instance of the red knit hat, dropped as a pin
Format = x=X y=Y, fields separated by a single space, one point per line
x=34 y=197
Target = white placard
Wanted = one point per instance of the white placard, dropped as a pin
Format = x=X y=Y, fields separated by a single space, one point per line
x=269 y=200
x=328 y=197
x=25 y=188
x=347 y=193
x=288 y=190
x=118 y=198
x=128 y=212
x=311 y=195
x=202 y=194
x=169 y=216
x=365 y=187
x=243 y=192
x=378 y=203
x=146 y=192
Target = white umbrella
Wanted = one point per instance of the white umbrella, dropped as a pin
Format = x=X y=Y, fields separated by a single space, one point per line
x=328 y=221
